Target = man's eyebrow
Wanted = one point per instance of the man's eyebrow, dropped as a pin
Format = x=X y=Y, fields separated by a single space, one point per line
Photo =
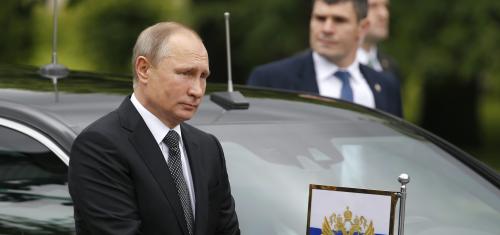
x=339 y=18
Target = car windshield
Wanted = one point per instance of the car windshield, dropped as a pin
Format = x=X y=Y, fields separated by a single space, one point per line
x=280 y=160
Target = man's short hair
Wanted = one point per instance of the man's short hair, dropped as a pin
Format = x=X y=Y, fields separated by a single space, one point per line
x=360 y=6
x=152 y=43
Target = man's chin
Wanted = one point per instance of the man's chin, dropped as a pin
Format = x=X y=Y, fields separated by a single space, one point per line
x=328 y=55
x=377 y=37
x=185 y=115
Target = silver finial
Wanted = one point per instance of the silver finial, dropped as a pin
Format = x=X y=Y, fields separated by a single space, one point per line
x=404 y=179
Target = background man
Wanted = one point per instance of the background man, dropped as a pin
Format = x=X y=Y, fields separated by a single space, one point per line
x=331 y=68
x=141 y=169
x=378 y=31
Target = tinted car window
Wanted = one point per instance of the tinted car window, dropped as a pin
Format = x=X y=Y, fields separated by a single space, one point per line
x=33 y=188
x=281 y=160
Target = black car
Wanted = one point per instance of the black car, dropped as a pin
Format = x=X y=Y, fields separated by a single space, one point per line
x=274 y=149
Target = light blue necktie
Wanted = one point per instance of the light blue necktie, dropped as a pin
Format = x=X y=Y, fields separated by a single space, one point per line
x=346 y=91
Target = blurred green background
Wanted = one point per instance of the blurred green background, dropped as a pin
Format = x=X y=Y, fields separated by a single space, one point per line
x=448 y=50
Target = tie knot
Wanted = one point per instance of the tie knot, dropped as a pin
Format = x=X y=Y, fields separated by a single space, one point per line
x=171 y=139
x=343 y=75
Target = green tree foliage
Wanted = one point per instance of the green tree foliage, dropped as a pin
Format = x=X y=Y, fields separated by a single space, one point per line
x=260 y=33
x=110 y=28
x=16 y=19
x=99 y=35
x=450 y=37
x=452 y=48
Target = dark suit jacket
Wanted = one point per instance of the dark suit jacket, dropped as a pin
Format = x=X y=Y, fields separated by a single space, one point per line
x=297 y=73
x=120 y=182
x=389 y=66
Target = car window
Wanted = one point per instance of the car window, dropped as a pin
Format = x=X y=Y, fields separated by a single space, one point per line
x=33 y=187
x=281 y=160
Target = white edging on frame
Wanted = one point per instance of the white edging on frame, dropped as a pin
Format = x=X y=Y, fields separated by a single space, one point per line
x=37 y=136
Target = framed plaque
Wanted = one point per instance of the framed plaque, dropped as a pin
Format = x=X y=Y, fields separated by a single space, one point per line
x=350 y=211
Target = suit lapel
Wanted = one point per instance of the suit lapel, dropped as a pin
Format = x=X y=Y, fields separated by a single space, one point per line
x=145 y=144
x=194 y=155
x=375 y=86
x=307 y=75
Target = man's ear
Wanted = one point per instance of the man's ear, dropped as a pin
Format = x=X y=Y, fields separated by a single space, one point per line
x=363 y=27
x=142 y=67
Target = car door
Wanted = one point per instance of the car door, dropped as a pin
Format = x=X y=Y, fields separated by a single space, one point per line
x=34 y=197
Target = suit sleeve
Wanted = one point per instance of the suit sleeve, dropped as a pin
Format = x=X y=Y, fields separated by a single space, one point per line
x=257 y=78
x=101 y=188
x=398 y=104
x=228 y=222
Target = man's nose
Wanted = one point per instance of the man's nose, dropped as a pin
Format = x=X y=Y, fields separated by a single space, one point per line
x=197 y=87
x=328 y=26
x=384 y=12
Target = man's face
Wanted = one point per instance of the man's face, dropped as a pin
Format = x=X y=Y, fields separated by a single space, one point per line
x=335 y=31
x=378 y=16
x=175 y=87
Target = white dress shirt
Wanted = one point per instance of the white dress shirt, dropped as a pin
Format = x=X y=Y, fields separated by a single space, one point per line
x=331 y=86
x=369 y=58
x=159 y=131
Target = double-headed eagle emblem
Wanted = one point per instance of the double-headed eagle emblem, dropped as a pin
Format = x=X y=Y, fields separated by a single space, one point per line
x=346 y=225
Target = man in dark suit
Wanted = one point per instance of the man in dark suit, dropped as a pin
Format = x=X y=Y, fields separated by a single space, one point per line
x=141 y=169
x=369 y=53
x=331 y=68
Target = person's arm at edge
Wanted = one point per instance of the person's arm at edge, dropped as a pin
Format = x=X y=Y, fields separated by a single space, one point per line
x=101 y=188
x=256 y=78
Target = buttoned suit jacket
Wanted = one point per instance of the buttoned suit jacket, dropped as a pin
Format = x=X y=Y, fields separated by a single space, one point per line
x=297 y=73
x=120 y=182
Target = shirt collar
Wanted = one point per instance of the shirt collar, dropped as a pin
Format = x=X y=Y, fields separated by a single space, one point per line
x=154 y=124
x=364 y=56
x=325 y=69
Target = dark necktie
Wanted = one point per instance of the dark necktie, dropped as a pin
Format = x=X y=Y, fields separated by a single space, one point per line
x=175 y=166
x=346 y=91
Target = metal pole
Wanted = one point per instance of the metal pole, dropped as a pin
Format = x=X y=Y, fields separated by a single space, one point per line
x=54 y=71
x=54 y=48
x=228 y=50
x=54 y=34
x=403 y=179
x=56 y=91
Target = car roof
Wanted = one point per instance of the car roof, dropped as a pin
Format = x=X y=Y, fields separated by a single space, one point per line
x=84 y=97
